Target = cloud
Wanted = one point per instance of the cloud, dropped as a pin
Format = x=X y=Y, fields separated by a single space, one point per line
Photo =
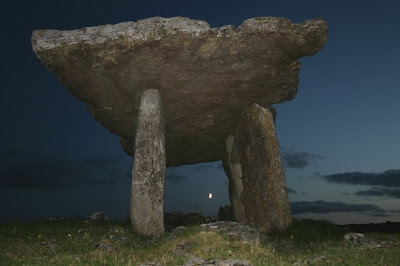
x=175 y=178
x=291 y=191
x=26 y=170
x=376 y=191
x=316 y=174
x=320 y=206
x=299 y=159
x=379 y=214
x=389 y=178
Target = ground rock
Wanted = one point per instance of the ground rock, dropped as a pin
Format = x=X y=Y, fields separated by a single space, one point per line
x=314 y=260
x=217 y=262
x=118 y=238
x=206 y=76
x=99 y=217
x=257 y=186
x=354 y=237
x=182 y=247
x=151 y=263
x=234 y=230
x=358 y=239
x=104 y=246
x=50 y=244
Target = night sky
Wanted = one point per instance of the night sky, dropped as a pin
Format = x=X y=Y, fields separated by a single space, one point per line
x=339 y=138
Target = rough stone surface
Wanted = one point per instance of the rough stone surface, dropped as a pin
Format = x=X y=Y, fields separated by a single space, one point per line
x=233 y=170
x=354 y=237
x=152 y=263
x=217 y=262
x=206 y=76
x=99 y=217
x=314 y=260
x=148 y=174
x=104 y=246
x=257 y=186
x=234 y=230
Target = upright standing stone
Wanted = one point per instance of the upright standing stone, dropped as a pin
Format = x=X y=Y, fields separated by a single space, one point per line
x=257 y=186
x=148 y=175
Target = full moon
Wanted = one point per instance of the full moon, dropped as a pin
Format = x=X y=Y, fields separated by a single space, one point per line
x=209 y=195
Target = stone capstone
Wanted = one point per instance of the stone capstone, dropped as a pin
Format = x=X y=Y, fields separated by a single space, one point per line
x=148 y=174
x=206 y=76
x=257 y=186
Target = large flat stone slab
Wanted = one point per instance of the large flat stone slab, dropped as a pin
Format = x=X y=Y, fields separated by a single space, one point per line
x=206 y=76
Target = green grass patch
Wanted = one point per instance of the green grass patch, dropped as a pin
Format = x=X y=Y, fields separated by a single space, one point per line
x=72 y=242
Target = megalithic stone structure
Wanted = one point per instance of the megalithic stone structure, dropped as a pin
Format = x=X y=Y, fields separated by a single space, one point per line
x=207 y=77
x=148 y=174
x=257 y=186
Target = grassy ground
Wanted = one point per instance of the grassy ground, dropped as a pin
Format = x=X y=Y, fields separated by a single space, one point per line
x=72 y=242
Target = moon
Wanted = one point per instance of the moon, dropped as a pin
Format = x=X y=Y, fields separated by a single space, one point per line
x=209 y=195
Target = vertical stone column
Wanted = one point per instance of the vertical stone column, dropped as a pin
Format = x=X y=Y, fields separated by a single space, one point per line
x=257 y=186
x=148 y=174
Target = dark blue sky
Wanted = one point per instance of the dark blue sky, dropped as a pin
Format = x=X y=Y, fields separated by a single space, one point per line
x=340 y=136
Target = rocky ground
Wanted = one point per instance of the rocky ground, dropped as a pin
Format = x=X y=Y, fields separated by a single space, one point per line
x=193 y=239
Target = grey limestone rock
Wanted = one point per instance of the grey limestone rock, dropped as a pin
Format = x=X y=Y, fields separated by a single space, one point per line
x=148 y=174
x=99 y=217
x=150 y=263
x=104 y=246
x=354 y=237
x=217 y=262
x=206 y=76
x=257 y=186
x=234 y=230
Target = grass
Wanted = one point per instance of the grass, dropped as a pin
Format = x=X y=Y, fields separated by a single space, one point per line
x=72 y=242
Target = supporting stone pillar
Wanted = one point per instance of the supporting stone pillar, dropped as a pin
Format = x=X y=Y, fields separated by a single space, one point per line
x=148 y=174
x=257 y=186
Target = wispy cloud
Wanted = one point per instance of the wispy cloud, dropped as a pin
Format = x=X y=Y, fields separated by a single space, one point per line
x=320 y=206
x=19 y=169
x=389 y=178
x=379 y=214
x=299 y=159
x=380 y=192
